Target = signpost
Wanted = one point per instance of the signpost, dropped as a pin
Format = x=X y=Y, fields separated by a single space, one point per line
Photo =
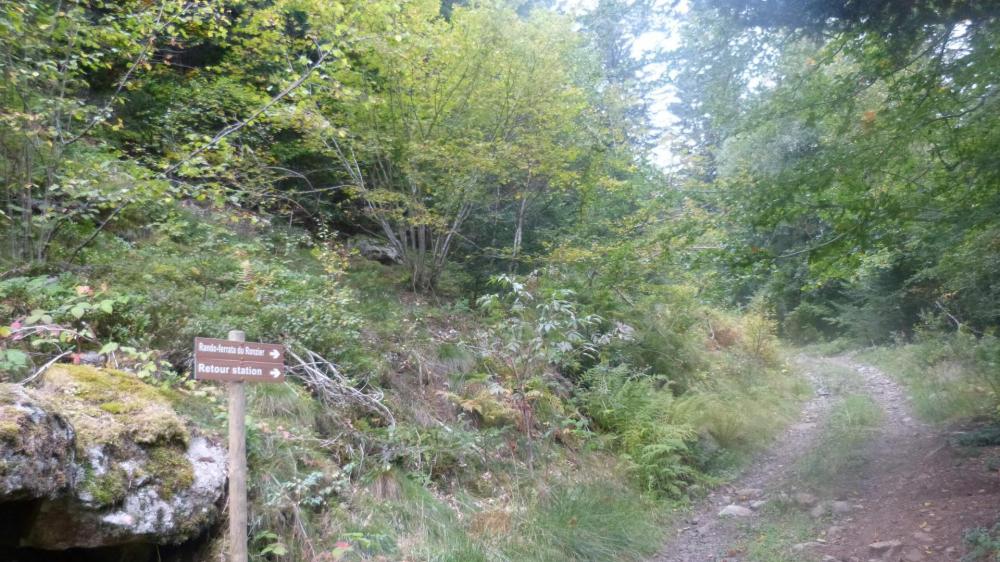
x=236 y=361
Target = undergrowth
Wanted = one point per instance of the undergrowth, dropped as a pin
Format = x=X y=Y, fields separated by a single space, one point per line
x=539 y=423
x=982 y=544
x=950 y=377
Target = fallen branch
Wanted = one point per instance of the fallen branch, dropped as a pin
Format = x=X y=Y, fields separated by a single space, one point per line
x=334 y=389
x=43 y=368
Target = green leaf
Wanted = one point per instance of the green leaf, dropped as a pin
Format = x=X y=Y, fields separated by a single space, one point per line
x=107 y=305
x=276 y=549
x=78 y=311
x=16 y=357
x=109 y=347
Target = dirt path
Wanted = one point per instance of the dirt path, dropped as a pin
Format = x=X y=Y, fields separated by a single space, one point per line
x=913 y=493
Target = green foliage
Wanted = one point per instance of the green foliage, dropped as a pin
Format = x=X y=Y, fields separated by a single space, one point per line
x=808 y=323
x=183 y=169
x=830 y=164
x=983 y=545
x=635 y=414
x=982 y=437
x=443 y=453
x=53 y=316
x=590 y=522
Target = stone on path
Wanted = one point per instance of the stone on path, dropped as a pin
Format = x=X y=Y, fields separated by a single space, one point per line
x=884 y=549
x=734 y=510
x=804 y=499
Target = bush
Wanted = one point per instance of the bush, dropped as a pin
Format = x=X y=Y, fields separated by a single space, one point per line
x=808 y=323
x=201 y=279
x=982 y=544
x=668 y=337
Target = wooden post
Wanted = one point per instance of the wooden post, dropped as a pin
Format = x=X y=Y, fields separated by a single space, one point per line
x=237 y=465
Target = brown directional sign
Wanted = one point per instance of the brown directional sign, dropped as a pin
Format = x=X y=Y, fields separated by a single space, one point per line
x=227 y=360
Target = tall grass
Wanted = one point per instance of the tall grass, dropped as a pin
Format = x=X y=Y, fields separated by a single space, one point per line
x=742 y=405
x=589 y=522
x=949 y=377
x=840 y=452
x=571 y=520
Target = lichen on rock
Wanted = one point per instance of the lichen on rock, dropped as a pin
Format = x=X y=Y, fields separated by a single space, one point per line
x=36 y=447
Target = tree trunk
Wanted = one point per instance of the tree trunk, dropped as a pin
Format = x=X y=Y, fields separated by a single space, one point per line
x=518 y=233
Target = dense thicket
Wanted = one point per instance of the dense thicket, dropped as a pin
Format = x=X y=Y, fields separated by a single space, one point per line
x=853 y=172
x=484 y=136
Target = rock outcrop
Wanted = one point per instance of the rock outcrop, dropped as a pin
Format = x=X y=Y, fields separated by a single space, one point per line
x=375 y=249
x=108 y=461
x=36 y=447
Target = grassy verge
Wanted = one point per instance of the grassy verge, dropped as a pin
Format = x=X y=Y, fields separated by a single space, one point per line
x=587 y=517
x=946 y=377
x=780 y=529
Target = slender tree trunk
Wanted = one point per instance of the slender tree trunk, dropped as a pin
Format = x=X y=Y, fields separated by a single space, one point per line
x=518 y=233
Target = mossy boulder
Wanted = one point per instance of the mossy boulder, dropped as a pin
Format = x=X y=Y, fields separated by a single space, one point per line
x=36 y=447
x=107 y=407
x=132 y=469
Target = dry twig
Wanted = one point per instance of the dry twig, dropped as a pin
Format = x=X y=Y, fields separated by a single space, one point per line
x=332 y=388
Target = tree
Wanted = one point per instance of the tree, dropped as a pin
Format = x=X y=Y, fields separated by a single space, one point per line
x=841 y=175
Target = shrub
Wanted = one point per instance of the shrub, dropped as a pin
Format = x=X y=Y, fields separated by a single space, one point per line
x=982 y=544
x=808 y=323
x=950 y=376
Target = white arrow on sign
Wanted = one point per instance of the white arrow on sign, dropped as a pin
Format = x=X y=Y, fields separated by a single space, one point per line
x=275 y=373
x=274 y=354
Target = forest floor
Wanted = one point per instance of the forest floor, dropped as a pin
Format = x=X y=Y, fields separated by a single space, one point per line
x=857 y=478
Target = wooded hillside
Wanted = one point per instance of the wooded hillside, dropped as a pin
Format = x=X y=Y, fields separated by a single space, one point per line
x=508 y=273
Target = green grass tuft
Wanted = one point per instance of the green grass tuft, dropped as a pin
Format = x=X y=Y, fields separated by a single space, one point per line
x=589 y=523
x=840 y=452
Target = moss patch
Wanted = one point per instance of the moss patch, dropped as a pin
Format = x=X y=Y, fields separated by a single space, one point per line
x=9 y=429
x=10 y=415
x=169 y=466
x=106 y=489
x=107 y=406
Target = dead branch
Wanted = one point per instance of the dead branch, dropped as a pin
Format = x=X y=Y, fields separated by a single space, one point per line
x=332 y=388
